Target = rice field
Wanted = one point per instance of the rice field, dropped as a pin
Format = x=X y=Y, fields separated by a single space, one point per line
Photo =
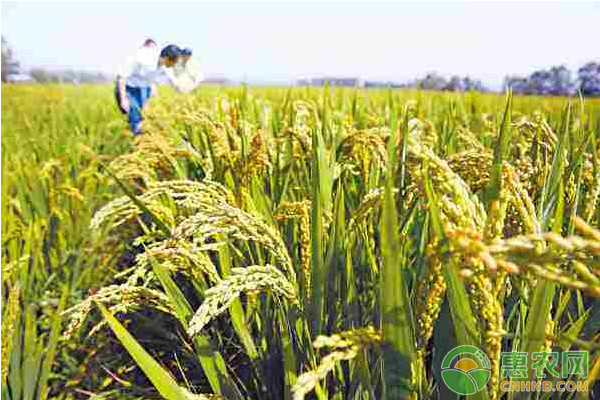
x=294 y=243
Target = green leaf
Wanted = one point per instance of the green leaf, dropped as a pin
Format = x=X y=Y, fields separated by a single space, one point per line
x=55 y=331
x=212 y=361
x=160 y=378
x=321 y=202
x=396 y=315
x=501 y=151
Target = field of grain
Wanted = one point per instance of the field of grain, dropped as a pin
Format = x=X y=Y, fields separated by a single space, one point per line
x=277 y=243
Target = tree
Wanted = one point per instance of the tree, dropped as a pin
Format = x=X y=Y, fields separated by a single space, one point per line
x=560 y=81
x=464 y=84
x=555 y=81
x=540 y=83
x=433 y=81
x=7 y=60
x=41 y=75
x=589 y=79
x=473 y=84
x=518 y=84
x=455 y=84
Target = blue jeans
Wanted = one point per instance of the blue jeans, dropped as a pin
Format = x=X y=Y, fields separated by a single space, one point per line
x=138 y=96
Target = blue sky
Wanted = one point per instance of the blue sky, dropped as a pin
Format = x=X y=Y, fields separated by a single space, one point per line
x=265 y=41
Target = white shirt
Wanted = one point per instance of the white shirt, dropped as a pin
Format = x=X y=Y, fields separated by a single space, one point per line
x=141 y=70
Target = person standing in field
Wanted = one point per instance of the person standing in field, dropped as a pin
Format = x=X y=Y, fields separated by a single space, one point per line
x=188 y=71
x=138 y=76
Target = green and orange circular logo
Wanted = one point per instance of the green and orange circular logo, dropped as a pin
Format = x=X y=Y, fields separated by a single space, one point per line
x=466 y=369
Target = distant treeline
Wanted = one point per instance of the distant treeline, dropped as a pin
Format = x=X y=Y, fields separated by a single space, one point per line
x=555 y=81
x=42 y=75
x=558 y=81
x=434 y=81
